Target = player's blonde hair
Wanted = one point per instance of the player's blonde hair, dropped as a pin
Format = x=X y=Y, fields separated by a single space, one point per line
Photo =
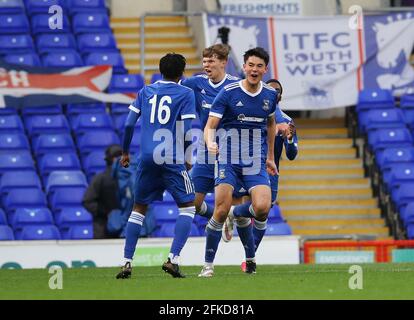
x=221 y=51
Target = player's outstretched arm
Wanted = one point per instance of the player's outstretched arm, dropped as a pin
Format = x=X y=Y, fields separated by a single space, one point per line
x=210 y=134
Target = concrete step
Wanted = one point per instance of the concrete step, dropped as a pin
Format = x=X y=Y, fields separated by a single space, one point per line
x=299 y=164
x=157 y=56
x=324 y=143
x=149 y=29
x=339 y=153
x=186 y=51
x=328 y=194
x=324 y=133
x=149 y=19
x=320 y=123
x=161 y=41
x=156 y=61
x=310 y=214
x=134 y=45
x=342 y=184
x=136 y=24
x=328 y=204
x=379 y=232
x=337 y=224
x=300 y=173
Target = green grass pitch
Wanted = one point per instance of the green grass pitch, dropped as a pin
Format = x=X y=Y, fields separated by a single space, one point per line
x=380 y=281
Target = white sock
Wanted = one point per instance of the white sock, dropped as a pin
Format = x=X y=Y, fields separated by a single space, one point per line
x=174 y=259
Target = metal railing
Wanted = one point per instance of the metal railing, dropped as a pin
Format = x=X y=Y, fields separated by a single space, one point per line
x=142 y=30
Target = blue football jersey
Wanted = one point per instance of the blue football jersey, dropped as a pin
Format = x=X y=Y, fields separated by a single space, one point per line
x=205 y=92
x=160 y=106
x=244 y=116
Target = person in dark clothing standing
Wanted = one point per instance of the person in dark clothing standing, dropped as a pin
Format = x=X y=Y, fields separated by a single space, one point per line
x=101 y=196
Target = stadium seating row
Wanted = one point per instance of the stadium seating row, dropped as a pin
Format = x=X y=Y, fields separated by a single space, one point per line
x=388 y=127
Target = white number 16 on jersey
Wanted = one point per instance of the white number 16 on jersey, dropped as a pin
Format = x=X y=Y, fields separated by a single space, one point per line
x=164 y=111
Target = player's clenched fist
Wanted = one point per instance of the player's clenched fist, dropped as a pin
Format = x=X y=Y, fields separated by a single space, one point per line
x=283 y=129
x=271 y=167
x=212 y=148
x=125 y=160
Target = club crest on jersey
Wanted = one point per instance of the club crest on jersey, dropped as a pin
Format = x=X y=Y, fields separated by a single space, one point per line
x=266 y=105
x=241 y=117
x=222 y=174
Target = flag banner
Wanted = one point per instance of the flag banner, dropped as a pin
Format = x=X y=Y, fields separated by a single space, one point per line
x=323 y=62
x=39 y=86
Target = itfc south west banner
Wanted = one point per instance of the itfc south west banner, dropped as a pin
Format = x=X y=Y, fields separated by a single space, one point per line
x=35 y=86
x=321 y=61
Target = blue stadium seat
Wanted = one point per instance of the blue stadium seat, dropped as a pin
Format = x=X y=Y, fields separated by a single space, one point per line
x=11 y=124
x=8 y=111
x=13 y=23
x=21 y=161
x=67 y=59
x=93 y=42
x=96 y=141
x=278 y=229
x=381 y=119
x=93 y=163
x=401 y=174
x=42 y=6
x=164 y=212
x=168 y=198
x=45 y=110
x=385 y=138
x=90 y=22
x=45 y=143
x=13 y=142
x=77 y=6
x=16 y=43
x=65 y=179
x=13 y=180
x=73 y=109
x=11 y=6
x=407 y=106
x=167 y=231
x=41 y=232
x=156 y=77
x=410 y=231
x=386 y=158
x=129 y=83
x=72 y=216
x=119 y=108
x=6 y=233
x=88 y=122
x=375 y=99
x=209 y=198
x=57 y=161
x=30 y=216
x=29 y=59
x=41 y=124
x=403 y=195
x=112 y=58
x=275 y=215
x=24 y=198
x=66 y=197
x=407 y=214
x=3 y=218
x=80 y=232
x=386 y=173
x=46 y=43
x=40 y=24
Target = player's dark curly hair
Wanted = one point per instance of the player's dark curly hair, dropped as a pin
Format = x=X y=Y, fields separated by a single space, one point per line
x=257 y=52
x=172 y=66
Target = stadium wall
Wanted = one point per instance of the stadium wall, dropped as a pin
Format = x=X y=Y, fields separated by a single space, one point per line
x=150 y=252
